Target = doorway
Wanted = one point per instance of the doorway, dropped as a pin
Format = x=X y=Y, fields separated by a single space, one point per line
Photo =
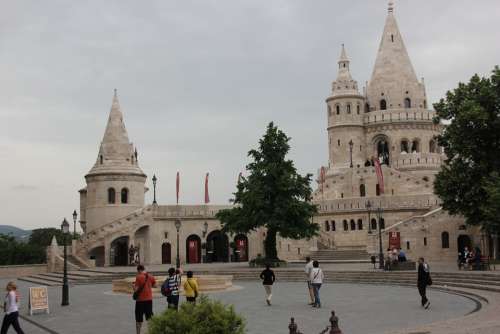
x=241 y=244
x=166 y=253
x=464 y=241
x=119 y=252
x=217 y=247
x=193 y=249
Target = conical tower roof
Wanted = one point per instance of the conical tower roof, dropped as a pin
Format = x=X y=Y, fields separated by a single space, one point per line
x=344 y=84
x=393 y=74
x=116 y=153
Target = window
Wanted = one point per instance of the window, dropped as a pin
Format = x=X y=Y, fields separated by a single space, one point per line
x=377 y=189
x=404 y=146
x=367 y=108
x=407 y=245
x=445 y=240
x=425 y=104
x=353 y=225
x=407 y=103
x=101 y=159
x=432 y=146
x=327 y=226
x=111 y=195
x=338 y=142
x=382 y=223
x=415 y=147
x=333 y=227
x=132 y=159
x=425 y=241
x=346 y=226
x=124 y=195
x=360 y=224
x=358 y=109
x=383 y=104
x=392 y=38
x=337 y=108
x=362 y=190
x=348 y=108
x=374 y=224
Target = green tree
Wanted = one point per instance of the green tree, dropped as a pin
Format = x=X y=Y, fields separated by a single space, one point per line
x=15 y=252
x=206 y=317
x=273 y=195
x=468 y=183
x=43 y=236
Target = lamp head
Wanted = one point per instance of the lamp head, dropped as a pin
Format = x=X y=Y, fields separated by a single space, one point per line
x=178 y=224
x=75 y=215
x=65 y=226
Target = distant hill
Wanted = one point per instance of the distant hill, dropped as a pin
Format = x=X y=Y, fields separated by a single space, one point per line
x=16 y=232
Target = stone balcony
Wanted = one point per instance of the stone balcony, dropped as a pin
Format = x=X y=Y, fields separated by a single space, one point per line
x=398 y=115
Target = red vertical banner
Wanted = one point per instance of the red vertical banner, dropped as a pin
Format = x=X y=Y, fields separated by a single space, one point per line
x=177 y=184
x=380 y=175
x=394 y=240
x=207 y=198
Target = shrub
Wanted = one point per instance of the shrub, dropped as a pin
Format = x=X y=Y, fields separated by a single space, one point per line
x=206 y=317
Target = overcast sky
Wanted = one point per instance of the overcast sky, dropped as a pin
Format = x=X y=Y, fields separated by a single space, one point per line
x=198 y=81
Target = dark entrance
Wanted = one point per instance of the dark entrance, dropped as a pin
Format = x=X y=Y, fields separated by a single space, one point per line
x=97 y=254
x=383 y=152
x=193 y=249
x=166 y=253
x=464 y=241
x=217 y=247
x=119 y=252
x=241 y=245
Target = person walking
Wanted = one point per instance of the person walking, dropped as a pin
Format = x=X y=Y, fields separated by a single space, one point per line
x=308 y=268
x=170 y=288
x=423 y=280
x=143 y=295
x=268 y=278
x=316 y=278
x=191 y=290
x=11 y=309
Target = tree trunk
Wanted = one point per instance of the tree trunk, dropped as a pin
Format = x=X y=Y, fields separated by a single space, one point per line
x=270 y=245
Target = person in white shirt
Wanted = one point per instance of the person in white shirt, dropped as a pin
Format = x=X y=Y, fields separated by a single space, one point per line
x=308 y=269
x=11 y=309
x=316 y=276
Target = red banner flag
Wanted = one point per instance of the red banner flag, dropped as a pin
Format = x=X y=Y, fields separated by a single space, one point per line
x=380 y=175
x=207 y=199
x=177 y=184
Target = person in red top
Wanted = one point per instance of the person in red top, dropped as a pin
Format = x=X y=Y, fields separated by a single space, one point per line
x=144 y=304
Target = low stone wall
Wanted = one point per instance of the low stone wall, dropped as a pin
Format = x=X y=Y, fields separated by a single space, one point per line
x=22 y=270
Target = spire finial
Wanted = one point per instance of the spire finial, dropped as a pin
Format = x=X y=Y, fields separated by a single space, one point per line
x=116 y=93
x=391 y=6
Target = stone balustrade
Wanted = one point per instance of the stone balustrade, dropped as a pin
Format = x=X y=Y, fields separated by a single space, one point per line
x=399 y=115
x=417 y=160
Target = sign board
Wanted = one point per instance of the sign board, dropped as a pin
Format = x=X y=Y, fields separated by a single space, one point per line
x=39 y=299
x=394 y=240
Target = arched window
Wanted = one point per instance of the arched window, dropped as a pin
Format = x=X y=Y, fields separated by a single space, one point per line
x=382 y=223
x=337 y=108
x=367 y=108
x=404 y=146
x=362 y=190
x=132 y=159
x=124 y=195
x=333 y=227
x=445 y=240
x=346 y=225
x=353 y=225
x=383 y=105
x=432 y=146
x=392 y=38
x=425 y=104
x=111 y=195
x=407 y=103
x=348 y=108
x=415 y=147
x=374 y=224
x=338 y=142
x=360 y=224
x=358 y=109
x=101 y=159
x=377 y=189
x=327 y=226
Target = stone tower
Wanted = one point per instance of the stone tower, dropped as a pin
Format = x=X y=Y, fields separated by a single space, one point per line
x=346 y=135
x=116 y=183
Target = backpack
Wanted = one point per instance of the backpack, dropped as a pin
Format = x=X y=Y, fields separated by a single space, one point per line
x=165 y=288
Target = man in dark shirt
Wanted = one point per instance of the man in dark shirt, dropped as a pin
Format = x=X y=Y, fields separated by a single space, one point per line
x=423 y=280
x=268 y=278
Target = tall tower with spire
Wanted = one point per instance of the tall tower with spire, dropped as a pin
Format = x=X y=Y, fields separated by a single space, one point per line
x=116 y=183
x=346 y=138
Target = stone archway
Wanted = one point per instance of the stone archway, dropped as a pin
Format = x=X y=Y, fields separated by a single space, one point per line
x=463 y=241
x=381 y=149
x=217 y=247
x=119 y=251
x=97 y=254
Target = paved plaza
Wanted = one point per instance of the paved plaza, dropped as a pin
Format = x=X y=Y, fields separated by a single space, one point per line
x=362 y=308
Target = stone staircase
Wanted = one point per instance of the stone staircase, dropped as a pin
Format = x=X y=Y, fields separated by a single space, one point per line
x=354 y=255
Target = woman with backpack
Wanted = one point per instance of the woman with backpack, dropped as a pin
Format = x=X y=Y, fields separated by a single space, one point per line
x=191 y=288
x=11 y=309
x=170 y=288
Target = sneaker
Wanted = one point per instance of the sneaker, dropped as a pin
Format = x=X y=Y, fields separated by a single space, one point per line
x=427 y=305
x=268 y=302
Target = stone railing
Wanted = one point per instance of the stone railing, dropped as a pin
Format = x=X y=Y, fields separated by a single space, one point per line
x=187 y=211
x=399 y=115
x=415 y=160
x=425 y=201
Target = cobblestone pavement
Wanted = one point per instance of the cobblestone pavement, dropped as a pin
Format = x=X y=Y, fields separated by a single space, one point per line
x=362 y=308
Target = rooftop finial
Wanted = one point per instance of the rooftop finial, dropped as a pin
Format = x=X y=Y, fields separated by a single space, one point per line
x=116 y=92
x=391 y=6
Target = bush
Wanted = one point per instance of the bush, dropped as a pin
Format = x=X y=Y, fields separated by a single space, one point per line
x=206 y=317
x=260 y=261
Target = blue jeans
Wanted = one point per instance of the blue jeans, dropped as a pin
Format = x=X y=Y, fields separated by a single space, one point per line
x=316 y=287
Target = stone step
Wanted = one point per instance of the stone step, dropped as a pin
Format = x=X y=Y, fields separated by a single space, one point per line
x=41 y=282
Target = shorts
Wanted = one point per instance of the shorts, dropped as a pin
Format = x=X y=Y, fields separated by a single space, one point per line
x=173 y=301
x=143 y=308
x=191 y=299
x=309 y=285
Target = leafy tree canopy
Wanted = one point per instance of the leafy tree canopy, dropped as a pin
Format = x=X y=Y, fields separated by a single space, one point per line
x=43 y=236
x=468 y=183
x=16 y=252
x=273 y=195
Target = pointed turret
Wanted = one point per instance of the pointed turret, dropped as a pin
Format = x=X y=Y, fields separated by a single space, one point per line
x=344 y=84
x=393 y=79
x=116 y=153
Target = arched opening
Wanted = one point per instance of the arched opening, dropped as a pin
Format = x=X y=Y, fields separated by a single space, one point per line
x=337 y=109
x=241 y=251
x=124 y=196
x=97 y=254
x=463 y=241
x=327 y=226
x=377 y=189
x=404 y=146
x=119 y=251
x=367 y=108
x=382 y=147
x=425 y=104
x=358 y=109
x=353 y=225
x=374 y=224
x=346 y=225
x=217 y=247
x=362 y=190
x=432 y=146
x=415 y=146
x=383 y=105
x=111 y=196
x=193 y=249
x=360 y=224
x=348 y=108
x=407 y=103
x=382 y=223
x=166 y=253
x=101 y=159
x=334 y=228
x=445 y=240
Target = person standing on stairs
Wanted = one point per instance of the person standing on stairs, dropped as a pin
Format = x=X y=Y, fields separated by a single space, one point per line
x=308 y=269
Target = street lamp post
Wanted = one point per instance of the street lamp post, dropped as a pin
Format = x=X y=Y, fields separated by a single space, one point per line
x=351 y=144
x=74 y=223
x=154 y=188
x=177 y=227
x=369 y=209
x=65 y=287
x=380 y=251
